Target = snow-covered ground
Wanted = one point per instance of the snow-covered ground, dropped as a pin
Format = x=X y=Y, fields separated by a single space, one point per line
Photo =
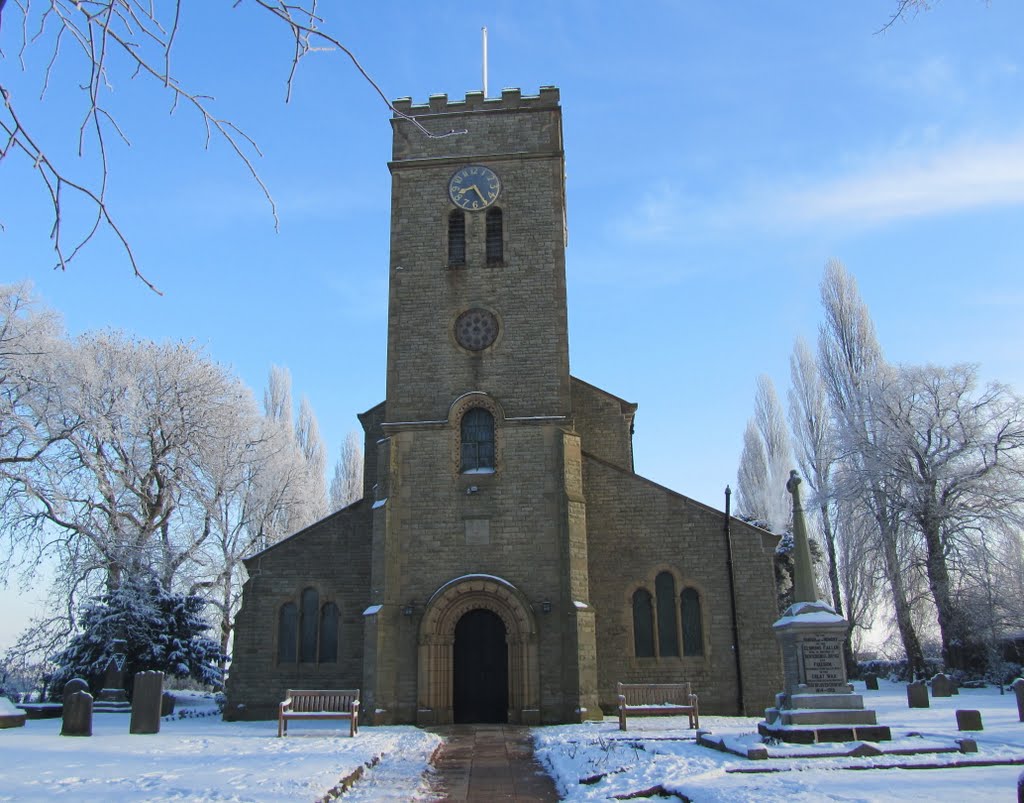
x=663 y=752
x=201 y=758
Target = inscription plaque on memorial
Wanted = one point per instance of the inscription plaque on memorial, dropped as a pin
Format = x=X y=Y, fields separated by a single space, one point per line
x=821 y=662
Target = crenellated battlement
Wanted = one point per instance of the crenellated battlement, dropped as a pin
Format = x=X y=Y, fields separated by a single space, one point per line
x=512 y=98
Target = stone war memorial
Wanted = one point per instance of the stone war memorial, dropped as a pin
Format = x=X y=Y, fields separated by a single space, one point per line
x=506 y=562
x=817 y=703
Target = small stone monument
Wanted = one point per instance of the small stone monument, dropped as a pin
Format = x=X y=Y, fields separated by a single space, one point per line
x=113 y=699
x=817 y=703
x=1018 y=689
x=871 y=681
x=942 y=685
x=77 y=714
x=10 y=715
x=917 y=694
x=147 y=696
x=968 y=720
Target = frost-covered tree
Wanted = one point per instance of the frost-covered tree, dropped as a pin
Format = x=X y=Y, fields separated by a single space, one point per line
x=347 y=483
x=816 y=453
x=112 y=494
x=850 y=362
x=164 y=631
x=30 y=395
x=958 y=454
x=765 y=462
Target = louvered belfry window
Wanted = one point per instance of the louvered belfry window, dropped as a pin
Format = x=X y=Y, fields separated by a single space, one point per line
x=495 y=243
x=457 y=237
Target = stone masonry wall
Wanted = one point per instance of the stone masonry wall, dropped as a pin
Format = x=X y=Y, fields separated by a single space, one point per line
x=638 y=529
x=604 y=423
x=331 y=556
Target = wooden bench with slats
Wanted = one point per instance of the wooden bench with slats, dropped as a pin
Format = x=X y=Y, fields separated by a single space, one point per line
x=657 y=700
x=319 y=704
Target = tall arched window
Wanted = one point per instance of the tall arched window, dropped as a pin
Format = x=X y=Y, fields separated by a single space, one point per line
x=477 y=441
x=456 y=237
x=309 y=625
x=668 y=638
x=495 y=243
x=329 y=633
x=287 y=632
x=643 y=624
x=693 y=629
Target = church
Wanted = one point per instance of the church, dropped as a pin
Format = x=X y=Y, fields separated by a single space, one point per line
x=506 y=563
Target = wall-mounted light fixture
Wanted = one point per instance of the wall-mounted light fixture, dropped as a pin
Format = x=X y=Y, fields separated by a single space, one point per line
x=545 y=606
x=407 y=609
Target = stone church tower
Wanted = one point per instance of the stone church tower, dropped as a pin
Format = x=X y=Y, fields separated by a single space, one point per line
x=505 y=563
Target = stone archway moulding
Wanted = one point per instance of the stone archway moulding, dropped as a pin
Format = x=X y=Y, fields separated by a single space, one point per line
x=437 y=638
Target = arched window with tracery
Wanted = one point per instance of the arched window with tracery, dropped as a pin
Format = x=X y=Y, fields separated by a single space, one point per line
x=495 y=237
x=309 y=625
x=643 y=624
x=457 y=237
x=477 y=431
x=287 y=633
x=693 y=628
x=668 y=635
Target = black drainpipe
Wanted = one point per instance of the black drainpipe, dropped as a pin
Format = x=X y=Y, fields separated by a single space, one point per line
x=732 y=601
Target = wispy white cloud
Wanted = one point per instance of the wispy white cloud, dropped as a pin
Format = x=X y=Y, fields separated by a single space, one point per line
x=905 y=183
x=910 y=185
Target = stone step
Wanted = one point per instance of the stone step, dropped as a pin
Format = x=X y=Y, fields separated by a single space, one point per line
x=828 y=716
x=854 y=701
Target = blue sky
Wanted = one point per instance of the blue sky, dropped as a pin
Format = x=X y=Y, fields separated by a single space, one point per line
x=717 y=154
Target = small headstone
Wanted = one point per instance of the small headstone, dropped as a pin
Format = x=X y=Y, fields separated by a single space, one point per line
x=871 y=681
x=72 y=686
x=968 y=720
x=917 y=694
x=77 y=715
x=1018 y=689
x=167 y=701
x=942 y=685
x=147 y=702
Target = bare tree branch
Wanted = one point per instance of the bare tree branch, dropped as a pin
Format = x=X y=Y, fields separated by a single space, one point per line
x=134 y=30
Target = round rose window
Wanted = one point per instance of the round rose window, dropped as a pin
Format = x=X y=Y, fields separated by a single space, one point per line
x=476 y=329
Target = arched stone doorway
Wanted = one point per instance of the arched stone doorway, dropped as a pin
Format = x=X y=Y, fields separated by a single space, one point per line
x=444 y=611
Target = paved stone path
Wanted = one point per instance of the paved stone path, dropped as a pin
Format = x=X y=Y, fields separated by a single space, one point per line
x=485 y=763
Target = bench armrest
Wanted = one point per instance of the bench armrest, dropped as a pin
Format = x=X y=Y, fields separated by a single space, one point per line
x=285 y=704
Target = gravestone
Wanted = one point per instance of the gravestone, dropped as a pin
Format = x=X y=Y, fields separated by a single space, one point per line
x=871 y=681
x=917 y=694
x=167 y=701
x=147 y=702
x=1018 y=689
x=72 y=686
x=968 y=720
x=77 y=714
x=942 y=685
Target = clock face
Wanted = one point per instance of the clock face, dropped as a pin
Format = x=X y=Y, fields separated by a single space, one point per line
x=474 y=187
